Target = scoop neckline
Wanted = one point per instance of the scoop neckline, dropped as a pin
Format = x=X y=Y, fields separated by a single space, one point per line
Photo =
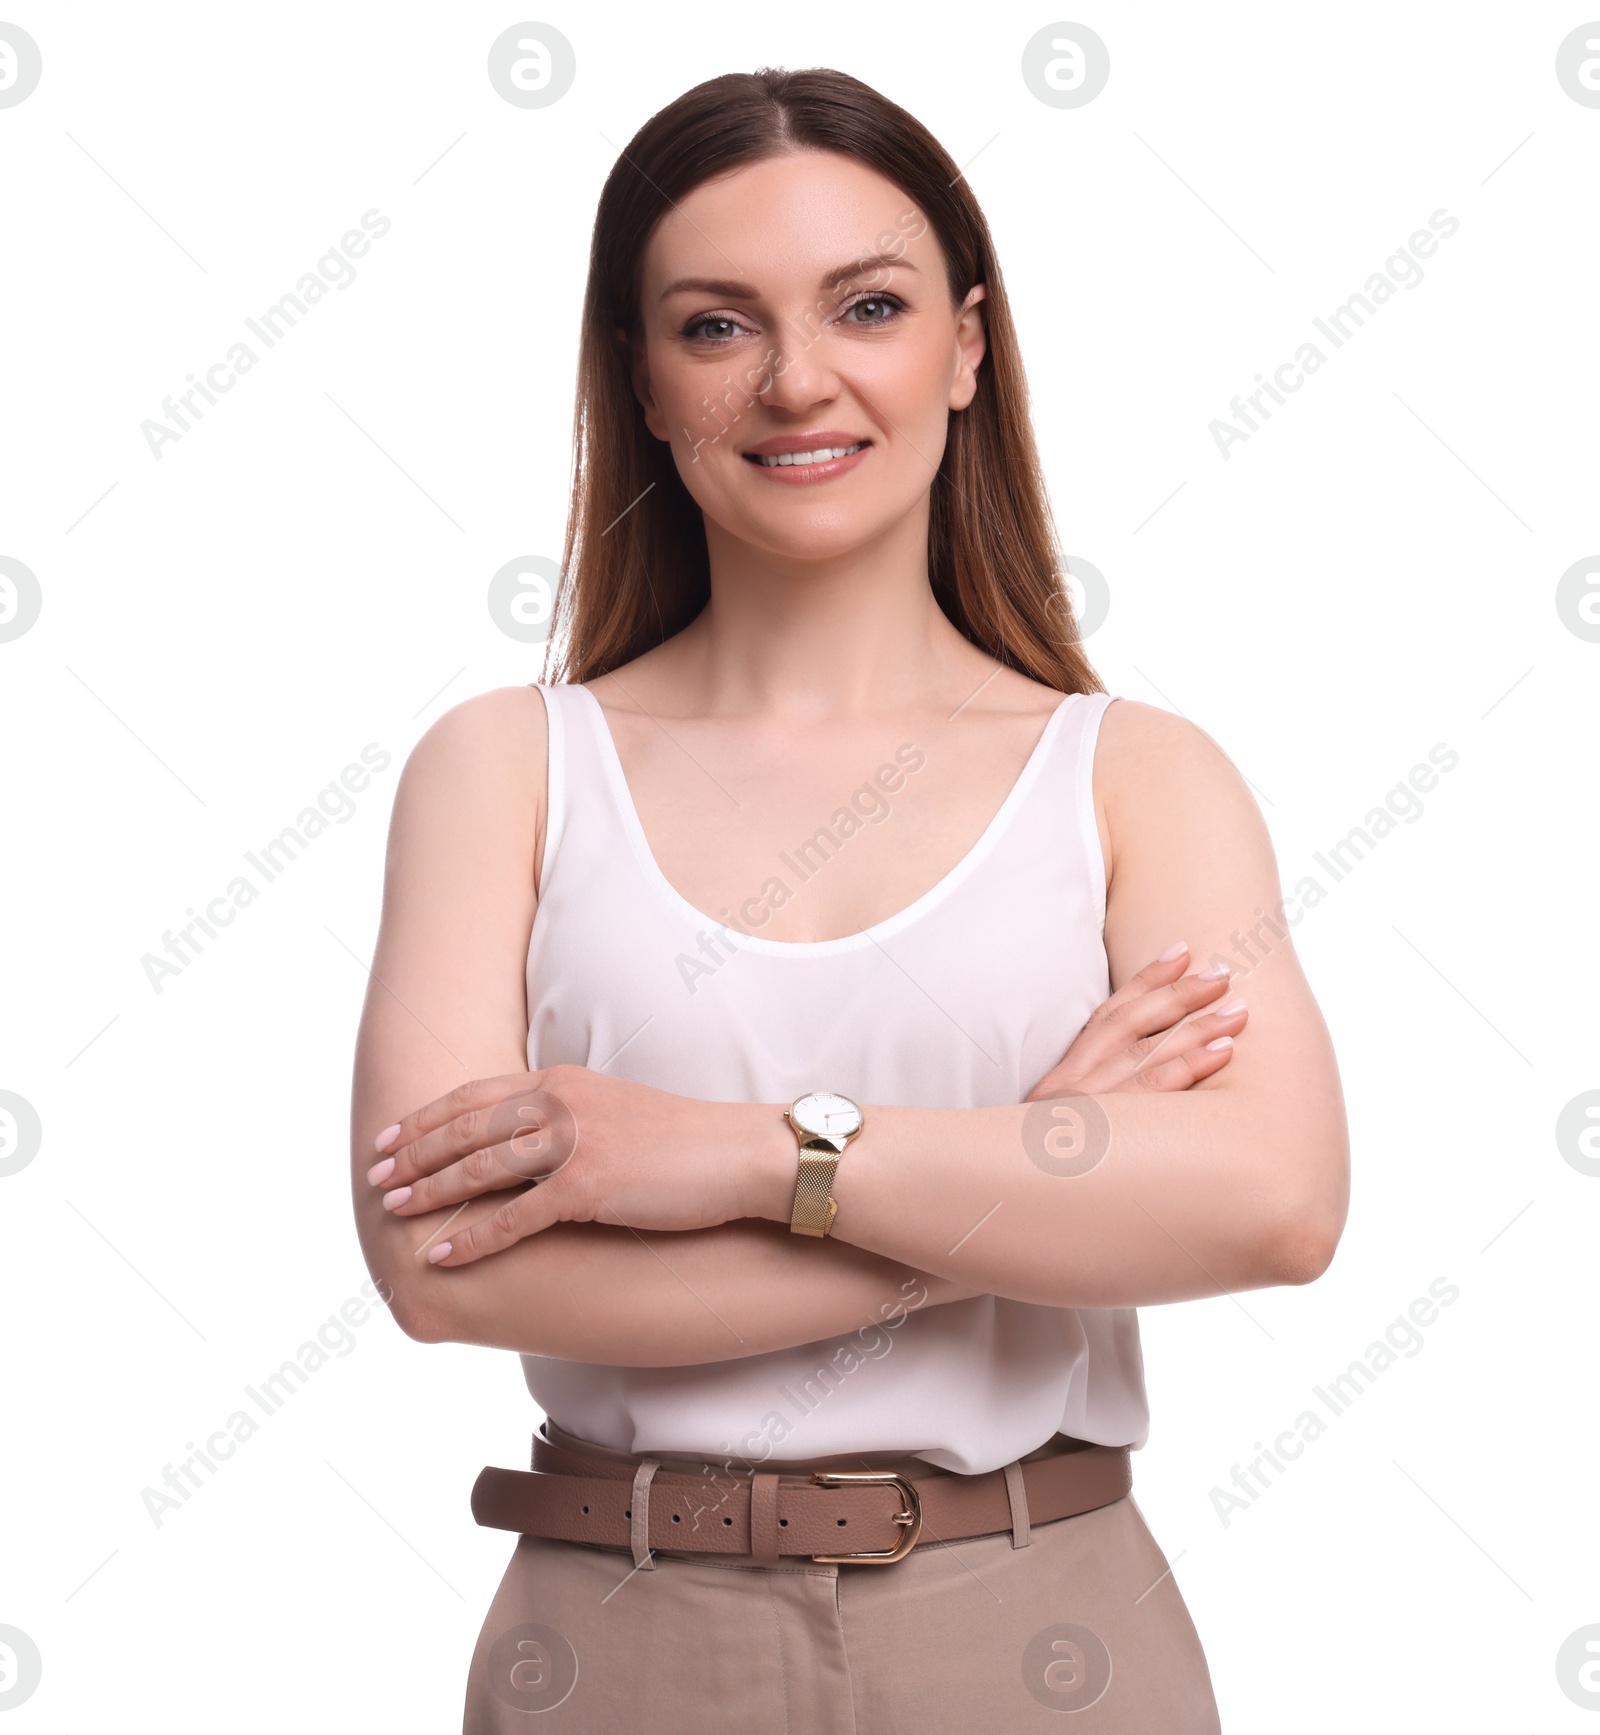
x=942 y=888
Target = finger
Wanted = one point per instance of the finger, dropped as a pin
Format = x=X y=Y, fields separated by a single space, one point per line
x=484 y=1171
x=1102 y=1034
x=1156 y=974
x=1160 y=1008
x=503 y=1227
x=1183 y=1070
x=476 y=1093
x=1189 y=1033
x=543 y=1144
x=518 y=1121
x=1122 y=1070
x=1151 y=999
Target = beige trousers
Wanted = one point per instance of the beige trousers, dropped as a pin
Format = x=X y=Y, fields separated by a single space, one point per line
x=975 y=1637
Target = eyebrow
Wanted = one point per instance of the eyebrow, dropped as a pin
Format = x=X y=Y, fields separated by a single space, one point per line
x=737 y=291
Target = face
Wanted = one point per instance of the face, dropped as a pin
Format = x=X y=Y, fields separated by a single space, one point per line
x=801 y=353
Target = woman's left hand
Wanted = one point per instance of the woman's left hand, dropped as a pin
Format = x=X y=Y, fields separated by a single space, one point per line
x=581 y=1146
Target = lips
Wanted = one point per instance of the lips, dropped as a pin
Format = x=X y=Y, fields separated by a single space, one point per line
x=813 y=464
x=817 y=455
x=811 y=449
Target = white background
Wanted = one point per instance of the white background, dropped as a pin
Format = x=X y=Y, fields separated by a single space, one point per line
x=305 y=572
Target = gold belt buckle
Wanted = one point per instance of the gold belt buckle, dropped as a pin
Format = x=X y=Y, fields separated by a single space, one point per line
x=910 y=1517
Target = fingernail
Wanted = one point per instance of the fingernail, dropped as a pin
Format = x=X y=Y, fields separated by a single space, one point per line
x=442 y=1251
x=1215 y=973
x=1173 y=952
x=381 y=1171
x=397 y=1197
x=1229 y=1010
x=1221 y=1042
x=386 y=1138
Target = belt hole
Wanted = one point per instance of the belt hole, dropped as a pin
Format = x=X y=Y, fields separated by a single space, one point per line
x=586 y=1508
x=628 y=1513
x=727 y=1521
x=841 y=1522
x=676 y=1519
x=783 y=1521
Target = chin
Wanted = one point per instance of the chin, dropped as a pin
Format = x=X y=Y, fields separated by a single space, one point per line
x=817 y=535
x=823 y=523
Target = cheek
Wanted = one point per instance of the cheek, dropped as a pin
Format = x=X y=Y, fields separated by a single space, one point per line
x=910 y=380
x=906 y=391
x=675 y=402
x=704 y=412
x=700 y=401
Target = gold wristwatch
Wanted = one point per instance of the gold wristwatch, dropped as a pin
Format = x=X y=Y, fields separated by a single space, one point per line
x=824 y=1122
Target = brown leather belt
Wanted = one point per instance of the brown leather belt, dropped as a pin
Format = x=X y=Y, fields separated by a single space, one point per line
x=830 y=1515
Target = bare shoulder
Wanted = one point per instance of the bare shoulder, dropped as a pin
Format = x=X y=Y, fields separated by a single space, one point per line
x=479 y=771
x=1159 y=775
x=1143 y=740
x=501 y=721
x=494 y=738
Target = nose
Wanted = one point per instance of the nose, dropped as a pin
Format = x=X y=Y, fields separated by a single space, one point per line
x=801 y=376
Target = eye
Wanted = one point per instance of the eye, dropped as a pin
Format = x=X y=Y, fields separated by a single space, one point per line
x=875 y=309
x=713 y=328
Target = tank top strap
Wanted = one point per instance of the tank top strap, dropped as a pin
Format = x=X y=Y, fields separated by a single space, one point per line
x=1063 y=798
x=555 y=779
x=1073 y=728
x=580 y=787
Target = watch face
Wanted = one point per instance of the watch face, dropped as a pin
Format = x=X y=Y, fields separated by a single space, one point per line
x=827 y=1115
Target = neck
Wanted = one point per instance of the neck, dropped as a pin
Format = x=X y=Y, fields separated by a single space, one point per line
x=812 y=640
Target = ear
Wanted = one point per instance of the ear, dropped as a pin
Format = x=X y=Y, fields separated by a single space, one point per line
x=639 y=372
x=971 y=347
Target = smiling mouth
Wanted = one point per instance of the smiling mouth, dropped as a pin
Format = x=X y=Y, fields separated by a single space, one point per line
x=822 y=455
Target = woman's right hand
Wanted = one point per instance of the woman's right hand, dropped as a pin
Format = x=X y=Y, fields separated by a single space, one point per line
x=1144 y=1037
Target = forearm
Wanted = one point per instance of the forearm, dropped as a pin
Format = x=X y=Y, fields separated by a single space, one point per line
x=1193 y=1194
x=594 y=1292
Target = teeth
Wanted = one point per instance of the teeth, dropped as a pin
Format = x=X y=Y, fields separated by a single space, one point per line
x=820 y=456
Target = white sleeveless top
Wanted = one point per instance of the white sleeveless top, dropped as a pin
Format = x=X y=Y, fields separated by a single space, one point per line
x=964 y=999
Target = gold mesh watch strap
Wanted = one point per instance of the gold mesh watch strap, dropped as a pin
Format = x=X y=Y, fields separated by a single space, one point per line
x=814 y=1204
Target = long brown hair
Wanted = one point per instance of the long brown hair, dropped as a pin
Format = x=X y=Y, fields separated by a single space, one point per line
x=635 y=568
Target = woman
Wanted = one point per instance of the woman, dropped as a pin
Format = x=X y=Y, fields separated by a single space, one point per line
x=742 y=1047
